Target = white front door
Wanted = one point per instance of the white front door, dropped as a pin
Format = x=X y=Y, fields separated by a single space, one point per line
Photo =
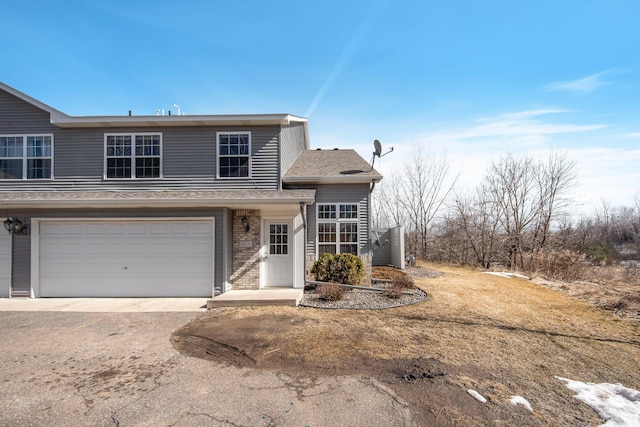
x=278 y=265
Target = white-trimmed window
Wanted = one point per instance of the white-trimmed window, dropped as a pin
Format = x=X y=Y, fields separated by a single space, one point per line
x=137 y=155
x=234 y=154
x=337 y=228
x=26 y=156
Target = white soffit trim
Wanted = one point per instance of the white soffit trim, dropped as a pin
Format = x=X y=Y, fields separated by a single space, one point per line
x=168 y=121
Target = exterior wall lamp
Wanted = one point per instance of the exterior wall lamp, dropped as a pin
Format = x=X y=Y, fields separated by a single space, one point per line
x=245 y=223
x=15 y=226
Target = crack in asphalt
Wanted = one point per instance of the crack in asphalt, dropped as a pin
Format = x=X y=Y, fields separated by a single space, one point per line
x=211 y=417
x=298 y=385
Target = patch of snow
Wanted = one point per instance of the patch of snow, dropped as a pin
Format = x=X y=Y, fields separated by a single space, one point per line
x=477 y=396
x=618 y=405
x=508 y=275
x=519 y=400
x=582 y=282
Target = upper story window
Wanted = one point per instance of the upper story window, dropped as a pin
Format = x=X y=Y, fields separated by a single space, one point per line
x=133 y=155
x=26 y=157
x=337 y=229
x=234 y=154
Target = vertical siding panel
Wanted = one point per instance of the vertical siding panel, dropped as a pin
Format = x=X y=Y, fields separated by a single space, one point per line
x=291 y=145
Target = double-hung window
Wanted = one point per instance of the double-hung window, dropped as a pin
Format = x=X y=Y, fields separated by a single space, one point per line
x=26 y=157
x=234 y=154
x=337 y=228
x=133 y=155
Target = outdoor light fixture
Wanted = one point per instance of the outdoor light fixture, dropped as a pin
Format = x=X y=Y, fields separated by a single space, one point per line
x=15 y=226
x=245 y=223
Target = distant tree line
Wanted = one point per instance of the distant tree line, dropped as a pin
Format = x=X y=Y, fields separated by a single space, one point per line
x=518 y=216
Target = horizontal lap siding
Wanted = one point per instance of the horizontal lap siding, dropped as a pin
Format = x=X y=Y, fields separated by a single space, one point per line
x=265 y=168
x=187 y=153
x=78 y=153
x=21 y=271
x=5 y=264
x=20 y=117
x=347 y=193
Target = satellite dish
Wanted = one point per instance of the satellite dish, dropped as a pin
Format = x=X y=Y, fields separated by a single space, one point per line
x=378 y=148
x=378 y=152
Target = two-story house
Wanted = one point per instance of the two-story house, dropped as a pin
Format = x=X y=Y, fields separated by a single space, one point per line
x=182 y=205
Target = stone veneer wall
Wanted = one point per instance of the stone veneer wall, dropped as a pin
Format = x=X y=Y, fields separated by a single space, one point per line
x=246 y=251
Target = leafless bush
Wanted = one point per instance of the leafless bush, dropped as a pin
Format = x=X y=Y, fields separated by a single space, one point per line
x=560 y=264
x=393 y=292
x=402 y=281
x=632 y=274
x=331 y=292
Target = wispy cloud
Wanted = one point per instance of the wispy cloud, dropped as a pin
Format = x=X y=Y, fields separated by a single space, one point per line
x=581 y=86
x=523 y=126
x=373 y=13
x=632 y=135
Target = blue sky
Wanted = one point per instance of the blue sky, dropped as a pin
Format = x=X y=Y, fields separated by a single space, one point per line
x=465 y=79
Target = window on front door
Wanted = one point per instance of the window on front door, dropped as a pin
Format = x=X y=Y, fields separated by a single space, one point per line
x=337 y=229
x=278 y=239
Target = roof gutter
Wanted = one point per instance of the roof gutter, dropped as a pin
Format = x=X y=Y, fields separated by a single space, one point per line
x=342 y=179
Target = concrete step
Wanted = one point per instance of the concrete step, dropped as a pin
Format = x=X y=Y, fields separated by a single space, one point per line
x=261 y=297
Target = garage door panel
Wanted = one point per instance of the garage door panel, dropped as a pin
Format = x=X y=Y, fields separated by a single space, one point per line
x=127 y=258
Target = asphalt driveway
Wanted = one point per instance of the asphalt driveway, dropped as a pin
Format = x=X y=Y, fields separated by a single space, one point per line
x=119 y=369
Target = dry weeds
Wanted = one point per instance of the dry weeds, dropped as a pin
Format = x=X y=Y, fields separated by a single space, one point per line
x=499 y=336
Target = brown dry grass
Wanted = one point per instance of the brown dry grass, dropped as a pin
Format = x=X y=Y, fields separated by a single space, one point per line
x=499 y=336
x=614 y=288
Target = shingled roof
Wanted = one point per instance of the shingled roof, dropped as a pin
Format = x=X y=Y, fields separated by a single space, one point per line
x=331 y=166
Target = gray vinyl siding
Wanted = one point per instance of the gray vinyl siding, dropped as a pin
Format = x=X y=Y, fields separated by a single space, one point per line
x=188 y=154
x=19 y=117
x=21 y=268
x=22 y=247
x=78 y=154
x=347 y=193
x=5 y=264
x=292 y=144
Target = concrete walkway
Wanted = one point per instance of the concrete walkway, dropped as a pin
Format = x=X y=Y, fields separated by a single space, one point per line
x=104 y=305
x=259 y=297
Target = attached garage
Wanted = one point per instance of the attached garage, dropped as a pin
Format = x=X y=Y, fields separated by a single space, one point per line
x=123 y=258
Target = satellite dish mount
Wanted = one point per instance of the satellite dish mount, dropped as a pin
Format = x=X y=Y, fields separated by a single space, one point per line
x=378 y=152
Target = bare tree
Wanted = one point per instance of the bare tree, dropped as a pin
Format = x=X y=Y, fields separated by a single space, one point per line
x=478 y=219
x=528 y=196
x=510 y=182
x=418 y=193
x=554 y=178
x=385 y=210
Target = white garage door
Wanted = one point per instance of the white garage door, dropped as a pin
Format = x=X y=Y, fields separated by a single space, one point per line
x=5 y=263
x=126 y=258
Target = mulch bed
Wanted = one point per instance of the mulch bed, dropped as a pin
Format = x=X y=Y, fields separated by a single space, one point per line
x=357 y=299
